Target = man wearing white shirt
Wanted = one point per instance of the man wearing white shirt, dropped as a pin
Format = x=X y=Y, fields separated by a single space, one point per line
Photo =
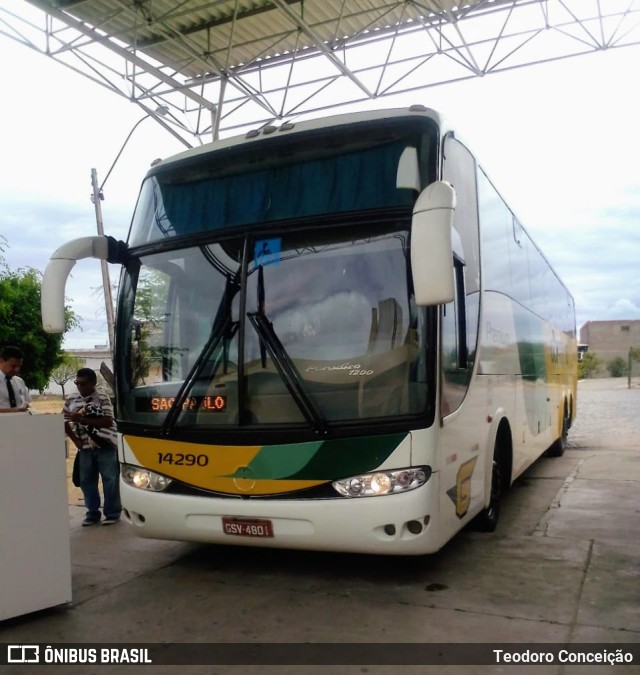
x=14 y=395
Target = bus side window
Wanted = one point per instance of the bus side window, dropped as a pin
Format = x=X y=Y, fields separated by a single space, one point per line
x=454 y=348
x=460 y=319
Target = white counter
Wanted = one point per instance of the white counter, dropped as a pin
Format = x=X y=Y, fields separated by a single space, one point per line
x=35 y=561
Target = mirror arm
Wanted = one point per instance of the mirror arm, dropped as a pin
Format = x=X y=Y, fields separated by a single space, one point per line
x=59 y=267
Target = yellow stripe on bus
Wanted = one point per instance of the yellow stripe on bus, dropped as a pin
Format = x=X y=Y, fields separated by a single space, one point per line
x=209 y=466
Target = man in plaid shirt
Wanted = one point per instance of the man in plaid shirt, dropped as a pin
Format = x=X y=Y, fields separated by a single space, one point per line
x=90 y=425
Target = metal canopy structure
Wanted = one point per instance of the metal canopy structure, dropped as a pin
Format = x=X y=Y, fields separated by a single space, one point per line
x=202 y=67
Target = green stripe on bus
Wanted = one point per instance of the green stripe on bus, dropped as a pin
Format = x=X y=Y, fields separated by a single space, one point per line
x=280 y=461
x=321 y=460
x=349 y=456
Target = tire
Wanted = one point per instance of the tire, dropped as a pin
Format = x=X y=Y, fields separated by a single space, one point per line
x=487 y=519
x=558 y=448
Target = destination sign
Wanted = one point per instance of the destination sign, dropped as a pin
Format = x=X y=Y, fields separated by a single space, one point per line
x=200 y=404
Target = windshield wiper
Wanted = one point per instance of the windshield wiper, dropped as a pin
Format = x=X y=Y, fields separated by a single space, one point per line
x=288 y=372
x=223 y=330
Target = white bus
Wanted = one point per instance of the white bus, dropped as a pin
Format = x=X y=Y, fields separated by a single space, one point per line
x=331 y=335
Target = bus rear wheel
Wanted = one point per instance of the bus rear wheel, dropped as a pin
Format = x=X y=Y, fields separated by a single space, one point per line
x=558 y=448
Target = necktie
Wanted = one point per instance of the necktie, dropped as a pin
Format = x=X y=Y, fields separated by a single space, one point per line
x=12 y=394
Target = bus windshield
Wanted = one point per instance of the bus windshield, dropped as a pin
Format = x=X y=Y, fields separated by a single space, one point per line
x=306 y=327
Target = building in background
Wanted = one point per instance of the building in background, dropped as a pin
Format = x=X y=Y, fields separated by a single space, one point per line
x=609 y=340
x=91 y=358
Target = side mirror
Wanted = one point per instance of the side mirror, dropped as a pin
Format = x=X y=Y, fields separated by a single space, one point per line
x=431 y=244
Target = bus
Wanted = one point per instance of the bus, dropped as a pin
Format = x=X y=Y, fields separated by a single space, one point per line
x=330 y=335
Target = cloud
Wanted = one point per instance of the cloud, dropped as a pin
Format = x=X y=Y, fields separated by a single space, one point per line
x=594 y=249
x=34 y=230
x=624 y=309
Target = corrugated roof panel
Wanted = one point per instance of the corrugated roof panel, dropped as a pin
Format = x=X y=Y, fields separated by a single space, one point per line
x=184 y=36
x=179 y=54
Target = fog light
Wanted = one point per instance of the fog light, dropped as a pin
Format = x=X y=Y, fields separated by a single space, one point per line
x=414 y=526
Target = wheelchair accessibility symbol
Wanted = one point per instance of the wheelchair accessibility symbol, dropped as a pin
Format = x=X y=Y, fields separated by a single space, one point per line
x=267 y=252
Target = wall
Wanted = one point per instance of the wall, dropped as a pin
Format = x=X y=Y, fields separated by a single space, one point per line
x=92 y=358
x=609 y=339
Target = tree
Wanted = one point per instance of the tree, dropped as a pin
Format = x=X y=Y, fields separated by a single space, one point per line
x=149 y=316
x=21 y=323
x=617 y=367
x=588 y=365
x=66 y=370
x=634 y=355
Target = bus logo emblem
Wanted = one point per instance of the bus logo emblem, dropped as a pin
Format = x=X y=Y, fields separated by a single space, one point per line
x=460 y=494
x=243 y=480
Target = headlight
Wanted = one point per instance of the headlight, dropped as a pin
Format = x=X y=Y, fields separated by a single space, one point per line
x=383 y=482
x=144 y=479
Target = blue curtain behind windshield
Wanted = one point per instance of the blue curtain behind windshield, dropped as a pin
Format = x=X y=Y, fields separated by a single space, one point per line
x=350 y=182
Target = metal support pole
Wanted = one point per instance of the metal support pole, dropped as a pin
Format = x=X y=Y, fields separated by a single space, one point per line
x=217 y=111
x=106 y=282
x=97 y=198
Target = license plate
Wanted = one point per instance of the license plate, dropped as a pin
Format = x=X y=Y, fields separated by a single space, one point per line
x=247 y=527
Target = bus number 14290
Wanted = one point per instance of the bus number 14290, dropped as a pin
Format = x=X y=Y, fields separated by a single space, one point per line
x=181 y=459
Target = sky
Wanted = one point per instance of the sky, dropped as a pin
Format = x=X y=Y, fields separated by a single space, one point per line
x=561 y=141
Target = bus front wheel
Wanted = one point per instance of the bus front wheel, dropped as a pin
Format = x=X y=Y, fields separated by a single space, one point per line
x=487 y=519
